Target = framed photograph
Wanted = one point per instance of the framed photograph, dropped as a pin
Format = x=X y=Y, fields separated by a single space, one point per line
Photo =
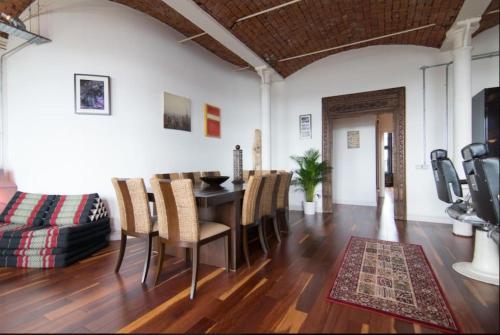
x=176 y=112
x=305 y=126
x=353 y=139
x=212 y=121
x=92 y=94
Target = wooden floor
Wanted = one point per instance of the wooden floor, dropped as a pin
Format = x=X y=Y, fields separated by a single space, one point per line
x=284 y=293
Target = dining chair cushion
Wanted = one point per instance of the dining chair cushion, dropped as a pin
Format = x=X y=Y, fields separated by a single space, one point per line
x=209 y=229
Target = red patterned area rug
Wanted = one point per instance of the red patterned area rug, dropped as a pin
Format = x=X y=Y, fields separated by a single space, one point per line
x=392 y=278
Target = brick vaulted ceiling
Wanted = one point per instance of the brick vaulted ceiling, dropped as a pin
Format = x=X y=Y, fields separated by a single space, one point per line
x=312 y=25
x=308 y=25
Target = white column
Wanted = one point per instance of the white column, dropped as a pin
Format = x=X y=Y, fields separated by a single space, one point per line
x=462 y=93
x=265 y=114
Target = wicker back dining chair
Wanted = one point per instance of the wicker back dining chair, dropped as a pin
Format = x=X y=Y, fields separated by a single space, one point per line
x=179 y=226
x=169 y=176
x=194 y=176
x=251 y=216
x=268 y=202
x=135 y=217
x=282 y=211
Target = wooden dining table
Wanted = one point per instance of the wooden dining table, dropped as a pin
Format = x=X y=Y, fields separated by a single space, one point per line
x=222 y=205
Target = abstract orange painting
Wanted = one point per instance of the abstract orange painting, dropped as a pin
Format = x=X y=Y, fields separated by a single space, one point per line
x=212 y=121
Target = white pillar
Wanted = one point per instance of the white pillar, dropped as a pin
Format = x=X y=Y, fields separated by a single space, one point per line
x=265 y=114
x=462 y=92
x=462 y=102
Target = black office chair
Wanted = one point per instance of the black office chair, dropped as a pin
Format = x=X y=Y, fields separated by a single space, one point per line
x=449 y=189
x=482 y=174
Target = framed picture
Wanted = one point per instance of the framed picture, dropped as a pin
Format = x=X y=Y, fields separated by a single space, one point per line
x=212 y=121
x=92 y=94
x=176 y=112
x=353 y=139
x=305 y=126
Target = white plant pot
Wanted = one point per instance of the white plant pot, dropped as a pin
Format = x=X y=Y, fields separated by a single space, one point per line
x=309 y=208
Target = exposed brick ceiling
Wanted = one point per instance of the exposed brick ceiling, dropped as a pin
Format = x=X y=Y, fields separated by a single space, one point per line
x=489 y=19
x=14 y=7
x=307 y=26
x=312 y=25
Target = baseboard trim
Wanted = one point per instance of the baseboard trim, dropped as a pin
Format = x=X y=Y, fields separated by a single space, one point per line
x=354 y=203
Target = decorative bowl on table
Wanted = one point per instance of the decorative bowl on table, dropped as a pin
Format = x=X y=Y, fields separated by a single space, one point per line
x=214 y=181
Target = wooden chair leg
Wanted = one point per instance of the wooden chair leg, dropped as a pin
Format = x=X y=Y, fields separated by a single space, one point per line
x=226 y=251
x=286 y=219
x=148 y=259
x=194 y=278
x=265 y=226
x=245 y=245
x=160 y=261
x=262 y=237
x=276 y=228
x=123 y=245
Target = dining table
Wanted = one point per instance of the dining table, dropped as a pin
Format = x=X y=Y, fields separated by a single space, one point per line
x=221 y=204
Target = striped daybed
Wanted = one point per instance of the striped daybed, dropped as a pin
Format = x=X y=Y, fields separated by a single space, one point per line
x=46 y=231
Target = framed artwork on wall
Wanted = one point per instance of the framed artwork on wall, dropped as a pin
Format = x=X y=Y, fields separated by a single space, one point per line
x=305 y=126
x=212 y=121
x=353 y=139
x=92 y=94
x=176 y=112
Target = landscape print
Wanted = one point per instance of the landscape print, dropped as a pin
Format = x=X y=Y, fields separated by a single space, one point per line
x=176 y=112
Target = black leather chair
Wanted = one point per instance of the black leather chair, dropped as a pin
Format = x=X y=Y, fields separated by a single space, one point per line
x=482 y=173
x=449 y=189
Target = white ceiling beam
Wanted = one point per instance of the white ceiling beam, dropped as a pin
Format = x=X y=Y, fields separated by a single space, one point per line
x=191 y=11
x=471 y=10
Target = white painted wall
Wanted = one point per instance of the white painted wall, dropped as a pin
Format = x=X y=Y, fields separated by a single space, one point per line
x=485 y=72
x=374 y=68
x=52 y=150
x=354 y=170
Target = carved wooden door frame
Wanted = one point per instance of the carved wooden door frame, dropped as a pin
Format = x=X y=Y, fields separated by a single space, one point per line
x=390 y=100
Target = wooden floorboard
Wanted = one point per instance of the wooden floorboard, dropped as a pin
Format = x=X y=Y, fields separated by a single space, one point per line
x=283 y=293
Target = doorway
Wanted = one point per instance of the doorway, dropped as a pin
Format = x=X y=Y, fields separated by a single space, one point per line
x=388 y=101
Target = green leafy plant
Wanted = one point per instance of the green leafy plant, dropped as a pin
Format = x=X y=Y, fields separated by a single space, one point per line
x=310 y=173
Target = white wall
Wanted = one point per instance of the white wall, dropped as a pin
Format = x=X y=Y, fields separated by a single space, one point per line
x=374 y=68
x=52 y=150
x=354 y=170
x=485 y=72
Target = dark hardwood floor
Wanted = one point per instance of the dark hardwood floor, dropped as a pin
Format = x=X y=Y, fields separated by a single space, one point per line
x=284 y=293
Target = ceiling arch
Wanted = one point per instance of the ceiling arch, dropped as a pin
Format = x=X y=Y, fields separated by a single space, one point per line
x=308 y=25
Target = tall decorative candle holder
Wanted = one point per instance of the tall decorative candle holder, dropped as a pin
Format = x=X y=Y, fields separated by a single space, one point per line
x=238 y=165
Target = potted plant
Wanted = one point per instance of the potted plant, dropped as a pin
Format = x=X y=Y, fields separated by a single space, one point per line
x=310 y=173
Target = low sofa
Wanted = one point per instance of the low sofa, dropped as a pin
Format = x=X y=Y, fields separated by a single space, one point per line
x=47 y=231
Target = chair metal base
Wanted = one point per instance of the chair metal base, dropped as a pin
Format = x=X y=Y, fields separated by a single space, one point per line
x=484 y=266
x=462 y=228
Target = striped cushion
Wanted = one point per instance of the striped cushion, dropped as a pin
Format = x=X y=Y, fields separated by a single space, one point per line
x=75 y=209
x=50 y=261
x=26 y=209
